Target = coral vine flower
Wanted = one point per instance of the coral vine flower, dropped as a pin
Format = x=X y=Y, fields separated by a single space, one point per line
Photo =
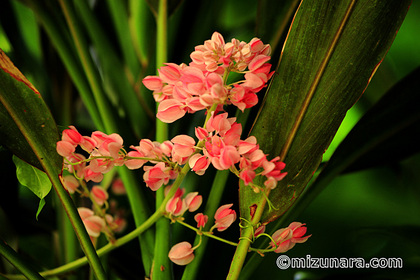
x=201 y=219
x=94 y=224
x=286 y=238
x=99 y=194
x=199 y=85
x=156 y=176
x=70 y=183
x=181 y=253
x=176 y=205
x=224 y=217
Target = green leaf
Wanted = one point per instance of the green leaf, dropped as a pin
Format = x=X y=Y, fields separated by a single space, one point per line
x=386 y=133
x=12 y=139
x=330 y=55
x=26 y=118
x=26 y=107
x=34 y=179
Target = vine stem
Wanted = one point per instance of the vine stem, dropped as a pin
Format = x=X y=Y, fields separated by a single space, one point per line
x=245 y=240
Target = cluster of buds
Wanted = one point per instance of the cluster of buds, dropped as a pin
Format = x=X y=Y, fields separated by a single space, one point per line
x=202 y=84
x=96 y=220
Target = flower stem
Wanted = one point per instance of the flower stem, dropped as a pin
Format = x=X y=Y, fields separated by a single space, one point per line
x=245 y=241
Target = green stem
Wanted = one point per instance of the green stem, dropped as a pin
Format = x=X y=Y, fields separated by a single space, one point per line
x=67 y=238
x=162 y=268
x=245 y=240
x=92 y=75
x=11 y=256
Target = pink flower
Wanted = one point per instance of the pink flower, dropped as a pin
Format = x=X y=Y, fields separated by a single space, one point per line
x=201 y=219
x=72 y=136
x=219 y=123
x=224 y=217
x=199 y=163
x=78 y=169
x=118 y=188
x=181 y=253
x=228 y=157
x=156 y=176
x=176 y=205
x=90 y=175
x=170 y=73
x=170 y=110
x=93 y=224
x=134 y=163
x=273 y=168
x=65 y=149
x=259 y=231
x=70 y=183
x=286 y=238
x=99 y=194
x=201 y=133
x=247 y=175
x=193 y=201
x=153 y=83
x=183 y=148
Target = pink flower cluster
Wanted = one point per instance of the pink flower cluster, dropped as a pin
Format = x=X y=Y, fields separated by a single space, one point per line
x=96 y=224
x=197 y=86
x=105 y=153
x=224 y=150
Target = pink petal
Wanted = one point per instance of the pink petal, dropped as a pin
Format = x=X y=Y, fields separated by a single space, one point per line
x=170 y=110
x=153 y=83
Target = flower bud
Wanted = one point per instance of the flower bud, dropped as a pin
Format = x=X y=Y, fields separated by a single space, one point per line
x=224 y=217
x=181 y=253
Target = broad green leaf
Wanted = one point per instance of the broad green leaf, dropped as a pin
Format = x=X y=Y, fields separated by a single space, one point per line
x=332 y=51
x=26 y=118
x=34 y=179
x=386 y=133
x=13 y=140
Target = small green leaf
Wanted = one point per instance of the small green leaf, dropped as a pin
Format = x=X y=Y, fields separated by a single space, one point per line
x=34 y=179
